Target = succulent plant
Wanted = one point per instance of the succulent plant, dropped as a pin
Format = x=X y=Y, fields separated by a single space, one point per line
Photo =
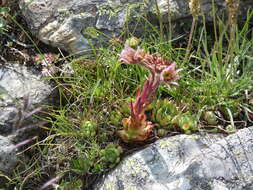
x=103 y=137
x=81 y=165
x=210 y=118
x=111 y=154
x=116 y=117
x=74 y=184
x=186 y=122
x=163 y=112
x=97 y=167
x=136 y=127
x=88 y=129
x=122 y=111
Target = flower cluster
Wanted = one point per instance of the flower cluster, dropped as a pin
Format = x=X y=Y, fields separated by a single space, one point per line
x=194 y=6
x=232 y=6
x=136 y=127
x=159 y=68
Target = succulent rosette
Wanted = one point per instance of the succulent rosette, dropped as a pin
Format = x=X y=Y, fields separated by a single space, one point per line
x=136 y=126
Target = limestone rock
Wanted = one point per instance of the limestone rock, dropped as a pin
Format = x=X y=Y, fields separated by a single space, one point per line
x=8 y=158
x=17 y=83
x=77 y=25
x=187 y=162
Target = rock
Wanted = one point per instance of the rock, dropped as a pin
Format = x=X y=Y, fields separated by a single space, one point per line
x=188 y=162
x=74 y=25
x=8 y=158
x=21 y=91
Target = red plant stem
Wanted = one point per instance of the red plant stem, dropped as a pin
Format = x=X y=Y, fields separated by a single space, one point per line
x=145 y=97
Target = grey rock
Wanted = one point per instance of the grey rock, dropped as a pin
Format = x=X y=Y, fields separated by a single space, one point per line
x=74 y=25
x=17 y=84
x=188 y=162
x=8 y=158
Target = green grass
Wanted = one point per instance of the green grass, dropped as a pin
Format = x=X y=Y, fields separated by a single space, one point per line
x=81 y=143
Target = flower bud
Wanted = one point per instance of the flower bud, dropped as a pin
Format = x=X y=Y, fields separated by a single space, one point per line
x=132 y=42
x=194 y=6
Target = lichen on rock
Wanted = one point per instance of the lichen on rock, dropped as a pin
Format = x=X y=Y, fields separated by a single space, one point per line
x=60 y=22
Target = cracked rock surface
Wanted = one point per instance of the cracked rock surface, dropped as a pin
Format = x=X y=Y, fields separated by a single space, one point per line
x=74 y=25
x=188 y=162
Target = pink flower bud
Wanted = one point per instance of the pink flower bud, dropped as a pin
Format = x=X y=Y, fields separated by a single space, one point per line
x=131 y=56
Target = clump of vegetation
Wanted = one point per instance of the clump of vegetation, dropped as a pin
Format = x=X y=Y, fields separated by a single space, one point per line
x=186 y=122
x=88 y=129
x=214 y=94
x=3 y=21
x=136 y=127
x=210 y=118
x=163 y=113
x=97 y=160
